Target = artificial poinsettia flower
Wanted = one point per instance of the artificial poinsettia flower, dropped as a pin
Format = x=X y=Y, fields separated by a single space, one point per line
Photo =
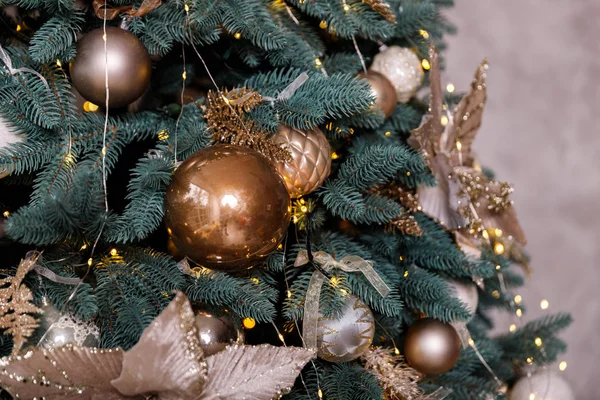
x=464 y=197
x=166 y=364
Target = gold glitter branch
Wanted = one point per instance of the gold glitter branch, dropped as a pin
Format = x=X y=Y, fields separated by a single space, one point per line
x=227 y=116
x=383 y=9
x=16 y=305
x=405 y=224
x=399 y=380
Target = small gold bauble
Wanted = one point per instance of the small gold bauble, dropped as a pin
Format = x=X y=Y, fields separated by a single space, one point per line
x=403 y=68
x=346 y=338
x=129 y=67
x=227 y=207
x=383 y=91
x=311 y=159
x=216 y=333
x=431 y=347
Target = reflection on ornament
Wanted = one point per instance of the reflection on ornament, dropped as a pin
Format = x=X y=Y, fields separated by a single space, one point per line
x=66 y=329
x=216 y=332
x=403 y=69
x=346 y=338
x=543 y=385
x=311 y=159
x=227 y=207
x=129 y=67
x=431 y=347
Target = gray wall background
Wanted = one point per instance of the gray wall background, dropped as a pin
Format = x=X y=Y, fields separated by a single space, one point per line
x=541 y=131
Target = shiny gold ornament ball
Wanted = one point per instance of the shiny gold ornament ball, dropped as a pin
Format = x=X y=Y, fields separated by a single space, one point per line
x=311 y=159
x=383 y=91
x=403 y=68
x=346 y=338
x=431 y=347
x=227 y=207
x=216 y=333
x=129 y=67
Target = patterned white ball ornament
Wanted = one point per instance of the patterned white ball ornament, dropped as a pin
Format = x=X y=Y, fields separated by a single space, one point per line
x=542 y=385
x=403 y=68
x=346 y=338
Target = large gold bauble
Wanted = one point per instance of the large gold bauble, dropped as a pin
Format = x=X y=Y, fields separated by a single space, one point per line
x=403 y=68
x=216 y=333
x=431 y=347
x=227 y=207
x=129 y=67
x=311 y=159
x=383 y=91
x=346 y=338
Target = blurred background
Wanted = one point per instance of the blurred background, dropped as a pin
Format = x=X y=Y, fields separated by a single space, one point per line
x=541 y=131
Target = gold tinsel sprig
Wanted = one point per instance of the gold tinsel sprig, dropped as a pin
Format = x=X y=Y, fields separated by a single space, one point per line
x=409 y=199
x=405 y=224
x=227 y=116
x=16 y=305
x=399 y=380
x=383 y=9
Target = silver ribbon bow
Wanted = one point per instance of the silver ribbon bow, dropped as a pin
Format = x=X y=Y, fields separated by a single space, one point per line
x=13 y=71
x=313 y=293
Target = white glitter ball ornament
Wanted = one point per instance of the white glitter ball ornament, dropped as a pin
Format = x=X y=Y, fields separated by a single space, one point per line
x=543 y=385
x=403 y=68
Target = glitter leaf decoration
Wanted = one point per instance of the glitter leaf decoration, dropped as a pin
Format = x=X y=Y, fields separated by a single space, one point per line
x=69 y=372
x=254 y=372
x=16 y=305
x=166 y=364
x=464 y=197
x=168 y=358
x=398 y=379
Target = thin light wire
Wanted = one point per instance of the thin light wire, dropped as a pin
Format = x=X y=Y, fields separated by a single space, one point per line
x=293 y=17
x=360 y=56
x=184 y=76
x=103 y=155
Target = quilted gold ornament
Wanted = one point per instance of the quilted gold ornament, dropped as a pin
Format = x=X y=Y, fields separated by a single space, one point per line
x=311 y=159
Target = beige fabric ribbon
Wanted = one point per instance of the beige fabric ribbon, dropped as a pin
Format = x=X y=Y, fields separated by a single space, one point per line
x=313 y=293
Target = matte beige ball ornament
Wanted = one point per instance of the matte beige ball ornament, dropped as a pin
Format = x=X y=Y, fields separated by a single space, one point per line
x=466 y=292
x=129 y=67
x=311 y=159
x=403 y=68
x=227 y=207
x=543 y=385
x=346 y=338
x=431 y=347
x=216 y=333
x=383 y=91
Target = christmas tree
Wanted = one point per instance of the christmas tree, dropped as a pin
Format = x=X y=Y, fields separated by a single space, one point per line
x=251 y=199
